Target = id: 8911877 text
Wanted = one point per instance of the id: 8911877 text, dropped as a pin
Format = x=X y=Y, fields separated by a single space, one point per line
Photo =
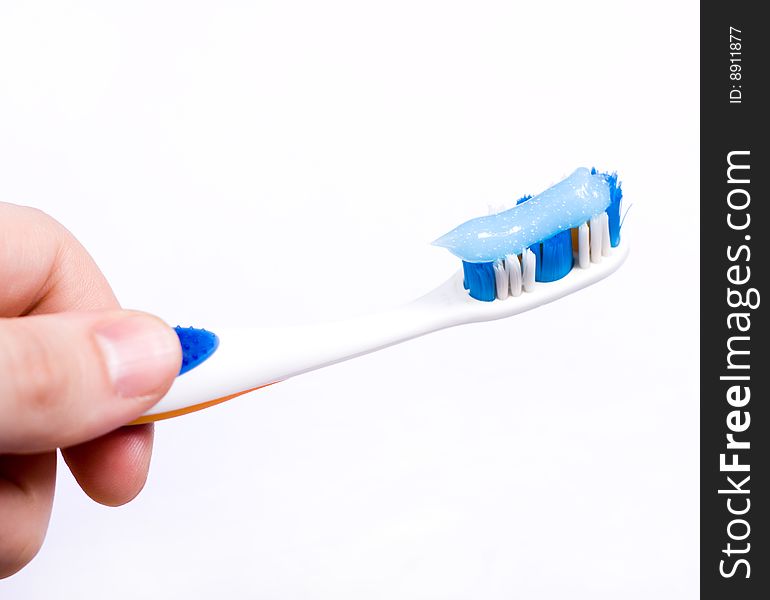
x=736 y=91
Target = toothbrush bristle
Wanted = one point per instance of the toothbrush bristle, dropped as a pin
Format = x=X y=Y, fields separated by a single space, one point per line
x=584 y=255
x=553 y=257
x=613 y=211
x=523 y=199
x=479 y=280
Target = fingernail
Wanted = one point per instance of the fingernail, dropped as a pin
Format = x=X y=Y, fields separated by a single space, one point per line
x=142 y=354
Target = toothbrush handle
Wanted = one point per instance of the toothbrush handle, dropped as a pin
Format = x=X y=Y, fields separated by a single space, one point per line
x=248 y=359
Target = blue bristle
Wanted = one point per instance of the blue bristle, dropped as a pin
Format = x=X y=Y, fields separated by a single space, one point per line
x=197 y=346
x=553 y=257
x=523 y=199
x=479 y=279
x=613 y=210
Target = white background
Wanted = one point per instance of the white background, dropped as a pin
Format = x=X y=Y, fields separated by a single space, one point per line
x=284 y=162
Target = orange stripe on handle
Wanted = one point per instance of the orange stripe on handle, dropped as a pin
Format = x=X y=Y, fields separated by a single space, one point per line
x=189 y=409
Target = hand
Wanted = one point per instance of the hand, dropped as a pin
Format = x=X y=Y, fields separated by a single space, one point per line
x=74 y=367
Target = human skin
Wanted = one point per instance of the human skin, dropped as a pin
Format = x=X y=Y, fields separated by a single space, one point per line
x=74 y=368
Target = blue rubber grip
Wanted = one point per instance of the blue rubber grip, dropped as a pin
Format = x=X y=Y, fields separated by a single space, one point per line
x=197 y=346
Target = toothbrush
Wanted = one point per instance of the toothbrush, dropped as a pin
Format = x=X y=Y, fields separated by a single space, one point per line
x=544 y=248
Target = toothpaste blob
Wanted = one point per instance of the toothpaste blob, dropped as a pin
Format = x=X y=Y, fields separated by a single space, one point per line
x=568 y=204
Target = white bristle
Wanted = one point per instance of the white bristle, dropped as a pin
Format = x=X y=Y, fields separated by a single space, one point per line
x=596 y=239
x=501 y=279
x=528 y=270
x=514 y=273
x=584 y=254
x=605 y=234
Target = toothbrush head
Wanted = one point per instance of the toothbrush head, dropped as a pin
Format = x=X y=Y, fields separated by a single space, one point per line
x=572 y=224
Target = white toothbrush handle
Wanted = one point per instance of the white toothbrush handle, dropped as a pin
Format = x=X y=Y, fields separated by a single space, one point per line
x=248 y=358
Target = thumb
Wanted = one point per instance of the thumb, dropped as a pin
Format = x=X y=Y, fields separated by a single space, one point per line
x=70 y=377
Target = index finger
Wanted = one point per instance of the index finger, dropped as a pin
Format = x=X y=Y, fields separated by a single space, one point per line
x=44 y=269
